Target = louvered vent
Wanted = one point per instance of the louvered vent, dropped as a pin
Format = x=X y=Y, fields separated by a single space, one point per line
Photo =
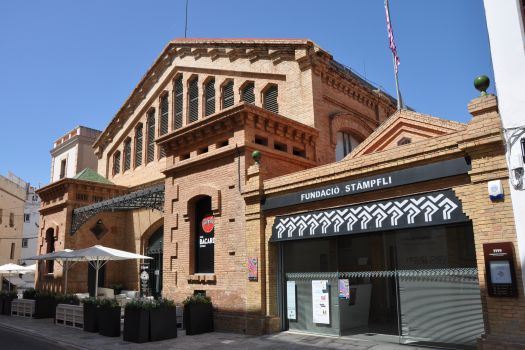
x=138 y=145
x=151 y=137
x=179 y=93
x=164 y=107
x=127 y=154
x=270 y=99
x=227 y=95
x=116 y=163
x=248 y=94
x=194 y=100
x=210 y=97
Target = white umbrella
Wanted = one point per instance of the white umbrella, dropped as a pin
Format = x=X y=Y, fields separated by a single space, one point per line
x=10 y=269
x=59 y=256
x=98 y=256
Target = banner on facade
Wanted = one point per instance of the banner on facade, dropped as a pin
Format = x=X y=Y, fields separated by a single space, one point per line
x=320 y=301
x=428 y=209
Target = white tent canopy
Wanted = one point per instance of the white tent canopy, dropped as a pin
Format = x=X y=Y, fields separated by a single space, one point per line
x=12 y=269
x=98 y=256
x=59 y=256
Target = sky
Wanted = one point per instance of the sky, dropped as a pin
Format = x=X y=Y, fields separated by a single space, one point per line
x=65 y=63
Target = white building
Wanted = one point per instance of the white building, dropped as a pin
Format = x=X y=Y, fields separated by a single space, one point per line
x=507 y=45
x=73 y=152
x=31 y=222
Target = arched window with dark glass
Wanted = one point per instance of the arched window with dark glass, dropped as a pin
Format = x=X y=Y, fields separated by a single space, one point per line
x=345 y=144
x=227 y=95
x=50 y=248
x=248 y=93
x=209 y=91
x=193 y=95
x=138 y=145
x=127 y=154
x=270 y=99
x=164 y=110
x=150 y=150
x=179 y=96
x=116 y=162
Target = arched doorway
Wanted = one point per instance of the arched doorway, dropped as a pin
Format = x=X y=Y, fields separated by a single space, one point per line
x=154 y=250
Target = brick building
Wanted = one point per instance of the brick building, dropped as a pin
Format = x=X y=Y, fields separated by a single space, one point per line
x=177 y=181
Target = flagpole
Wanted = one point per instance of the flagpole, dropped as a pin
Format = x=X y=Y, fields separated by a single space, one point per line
x=395 y=59
x=398 y=92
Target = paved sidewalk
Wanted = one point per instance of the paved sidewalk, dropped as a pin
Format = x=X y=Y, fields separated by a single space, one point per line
x=77 y=339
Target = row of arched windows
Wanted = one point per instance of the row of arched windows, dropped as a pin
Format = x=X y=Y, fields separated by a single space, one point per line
x=195 y=108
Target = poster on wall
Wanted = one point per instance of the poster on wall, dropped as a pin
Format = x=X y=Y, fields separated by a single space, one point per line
x=344 y=289
x=252 y=268
x=320 y=301
x=290 y=300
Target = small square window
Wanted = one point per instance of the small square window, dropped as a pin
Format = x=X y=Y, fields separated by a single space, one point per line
x=25 y=242
x=27 y=217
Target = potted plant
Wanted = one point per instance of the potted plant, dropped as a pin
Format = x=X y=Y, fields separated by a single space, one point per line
x=163 y=320
x=45 y=304
x=198 y=314
x=30 y=294
x=6 y=301
x=109 y=317
x=136 y=321
x=70 y=299
x=90 y=314
x=117 y=288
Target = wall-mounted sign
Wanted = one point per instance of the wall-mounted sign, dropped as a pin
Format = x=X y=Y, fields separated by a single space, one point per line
x=208 y=223
x=252 y=268
x=432 y=208
x=144 y=278
x=499 y=268
x=372 y=183
x=320 y=301
x=290 y=300
x=344 y=289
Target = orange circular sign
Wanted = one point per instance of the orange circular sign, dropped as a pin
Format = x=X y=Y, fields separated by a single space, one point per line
x=208 y=223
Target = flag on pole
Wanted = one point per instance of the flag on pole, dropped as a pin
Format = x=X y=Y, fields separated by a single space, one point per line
x=392 y=43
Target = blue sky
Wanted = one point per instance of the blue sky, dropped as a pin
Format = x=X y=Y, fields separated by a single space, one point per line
x=68 y=63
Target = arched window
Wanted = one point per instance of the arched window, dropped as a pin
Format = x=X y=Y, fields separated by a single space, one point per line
x=150 y=151
x=227 y=95
x=193 y=88
x=116 y=162
x=204 y=227
x=138 y=145
x=345 y=144
x=50 y=248
x=270 y=99
x=164 y=107
x=179 y=95
x=248 y=94
x=209 y=91
x=127 y=154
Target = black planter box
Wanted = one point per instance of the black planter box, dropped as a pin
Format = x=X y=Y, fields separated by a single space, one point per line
x=136 y=325
x=45 y=307
x=90 y=318
x=163 y=324
x=198 y=318
x=6 y=305
x=109 y=321
x=2 y=298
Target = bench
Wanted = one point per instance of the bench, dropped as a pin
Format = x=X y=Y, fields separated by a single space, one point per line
x=23 y=307
x=70 y=315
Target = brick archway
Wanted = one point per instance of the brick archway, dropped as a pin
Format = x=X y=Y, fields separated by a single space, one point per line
x=349 y=123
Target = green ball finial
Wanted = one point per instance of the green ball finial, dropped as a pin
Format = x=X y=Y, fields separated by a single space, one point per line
x=256 y=155
x=481 y=84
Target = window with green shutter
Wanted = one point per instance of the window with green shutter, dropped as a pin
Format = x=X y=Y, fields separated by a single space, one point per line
x=164 y=108
x=248 y=94
x=138 y=145
x=150 y=151
x=227 y=95
x=116 y=163
x=270 y=99
x=127 y=154
x=210 y=97
x=179 y=95
x=193 y=88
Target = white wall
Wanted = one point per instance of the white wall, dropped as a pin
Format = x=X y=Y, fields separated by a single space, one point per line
x=30 y=228
x=70 y=155
x=506 y=35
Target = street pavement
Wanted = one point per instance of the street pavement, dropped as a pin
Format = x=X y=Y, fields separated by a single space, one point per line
x=27 y=331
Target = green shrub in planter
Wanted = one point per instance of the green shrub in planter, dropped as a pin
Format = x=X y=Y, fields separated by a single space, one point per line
x=90 y=314
x=163 y=320
x=45 y=304
x=30 y=293
x=5 y=302
x=137 y=320
x=109 y=318
x=198 y=314
x=117 y=288
x=70 y=299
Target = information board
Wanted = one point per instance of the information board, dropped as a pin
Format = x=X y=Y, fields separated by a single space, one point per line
x=320 y=302
x=290 y=300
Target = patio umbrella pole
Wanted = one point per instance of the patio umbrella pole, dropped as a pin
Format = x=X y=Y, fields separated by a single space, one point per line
x=66 y=265
x=97 y=267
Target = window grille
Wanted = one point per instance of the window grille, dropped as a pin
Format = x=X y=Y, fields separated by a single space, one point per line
x=248 y=94
x=227 y=95
x=138 y=145
x=270 y=99
x=194 y=100
x=164 y=106
x=210 y=97
x=127 y=154
x=179 y=95
x=116 y=163
x=150 y=156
